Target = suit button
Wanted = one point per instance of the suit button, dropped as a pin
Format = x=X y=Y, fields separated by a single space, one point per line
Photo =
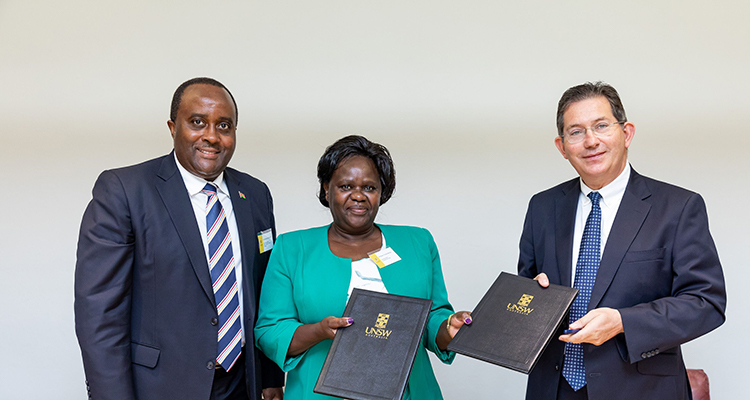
x=644 y=355
x=210 y=365
x=214 y=321
x=557 y=367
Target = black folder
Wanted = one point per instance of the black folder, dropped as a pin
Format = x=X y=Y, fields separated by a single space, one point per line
x=372 y=358
x=513 y=323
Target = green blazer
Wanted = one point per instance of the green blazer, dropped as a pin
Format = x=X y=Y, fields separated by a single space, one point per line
x=305 y=282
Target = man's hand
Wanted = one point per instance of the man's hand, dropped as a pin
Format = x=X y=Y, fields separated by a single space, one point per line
x=542 y=279
x=273 y=394
x=596 y=327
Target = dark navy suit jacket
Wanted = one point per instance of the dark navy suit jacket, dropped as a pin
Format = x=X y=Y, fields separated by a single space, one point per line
x=144 y=307
x=659 y=268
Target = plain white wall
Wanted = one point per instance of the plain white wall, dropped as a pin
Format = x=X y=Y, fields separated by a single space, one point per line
x=462 y=93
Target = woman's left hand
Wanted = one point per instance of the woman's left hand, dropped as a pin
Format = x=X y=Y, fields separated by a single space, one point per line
x=450 y=327
x=456 y=321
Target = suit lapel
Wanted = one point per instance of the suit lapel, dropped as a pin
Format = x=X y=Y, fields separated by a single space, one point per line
x=628 y=221
x=565 y=214
x=243 y=214
x=177 y=202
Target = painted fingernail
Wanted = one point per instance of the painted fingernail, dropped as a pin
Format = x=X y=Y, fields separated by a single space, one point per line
x=349 y=321
x=468 y=320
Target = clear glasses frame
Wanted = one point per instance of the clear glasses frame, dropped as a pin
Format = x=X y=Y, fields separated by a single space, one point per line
x=601 y=129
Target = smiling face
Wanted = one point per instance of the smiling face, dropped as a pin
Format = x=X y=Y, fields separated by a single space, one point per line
x=353 y=195
x=598 y=160
x=204 y=130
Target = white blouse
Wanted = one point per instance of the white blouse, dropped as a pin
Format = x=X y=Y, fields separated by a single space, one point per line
x=366 y=275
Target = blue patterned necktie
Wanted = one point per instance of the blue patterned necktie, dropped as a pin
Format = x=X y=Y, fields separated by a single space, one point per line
x=586 y=267
x=221 y=265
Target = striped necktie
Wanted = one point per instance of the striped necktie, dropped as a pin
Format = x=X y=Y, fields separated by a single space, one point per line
x=221 y=265
x=588 y=264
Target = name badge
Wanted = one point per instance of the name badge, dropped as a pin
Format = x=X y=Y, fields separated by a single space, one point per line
x=265 y=240
x=384 y=257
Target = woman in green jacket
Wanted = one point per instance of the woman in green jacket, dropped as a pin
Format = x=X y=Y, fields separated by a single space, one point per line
x=312 y=272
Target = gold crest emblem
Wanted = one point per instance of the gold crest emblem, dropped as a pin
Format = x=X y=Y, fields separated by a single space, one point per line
x=379 y=331
x=382 y=321
x=525 y=300
x=522 y=307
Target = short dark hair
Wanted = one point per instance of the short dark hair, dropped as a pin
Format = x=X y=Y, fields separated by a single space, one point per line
x=177 y=97
x=351 y=146
x=587 y=91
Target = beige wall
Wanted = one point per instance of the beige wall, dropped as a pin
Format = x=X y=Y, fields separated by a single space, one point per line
x=462 y=93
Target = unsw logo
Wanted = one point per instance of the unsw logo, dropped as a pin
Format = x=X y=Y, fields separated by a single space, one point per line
x=522 y=307
x=379 y=330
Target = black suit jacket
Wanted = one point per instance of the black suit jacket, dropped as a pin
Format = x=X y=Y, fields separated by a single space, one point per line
x=144 y=307
x=659 y=268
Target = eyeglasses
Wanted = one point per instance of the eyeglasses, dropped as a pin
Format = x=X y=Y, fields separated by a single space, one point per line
x=601 y=129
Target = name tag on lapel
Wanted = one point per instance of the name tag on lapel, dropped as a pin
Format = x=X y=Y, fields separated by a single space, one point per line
x=384 y=257
x=265 y=240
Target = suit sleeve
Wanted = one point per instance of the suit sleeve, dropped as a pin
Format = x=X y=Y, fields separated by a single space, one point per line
x=441 y=307
x=698 y=298
x=103 y=279
x=272 y=375
x=527 y=266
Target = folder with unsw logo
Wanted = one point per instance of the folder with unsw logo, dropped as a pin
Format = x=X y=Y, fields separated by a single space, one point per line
x=514 y=322
x=372 y=358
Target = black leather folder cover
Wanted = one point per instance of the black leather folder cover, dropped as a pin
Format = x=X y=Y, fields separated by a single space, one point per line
x=513 y=323
x=372 y=358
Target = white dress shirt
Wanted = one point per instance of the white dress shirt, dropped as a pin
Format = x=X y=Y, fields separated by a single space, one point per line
x=199 y=200
x=609 y=203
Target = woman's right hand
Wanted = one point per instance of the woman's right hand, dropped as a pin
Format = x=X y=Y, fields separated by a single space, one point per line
x=309 y=335
x=330 y=325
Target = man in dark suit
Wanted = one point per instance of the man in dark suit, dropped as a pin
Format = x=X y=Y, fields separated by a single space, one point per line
x=640 y=253
x=145 y=297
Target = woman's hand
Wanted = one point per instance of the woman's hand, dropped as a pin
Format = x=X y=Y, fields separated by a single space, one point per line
x=450 y=327
x=273 y=393
x=456 y=321
x=309 y=335
x=330 y=325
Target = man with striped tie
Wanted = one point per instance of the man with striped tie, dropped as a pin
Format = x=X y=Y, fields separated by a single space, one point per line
x=171 y=255
x=638 y=250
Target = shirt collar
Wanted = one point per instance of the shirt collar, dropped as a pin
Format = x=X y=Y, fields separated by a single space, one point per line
x=195 y=184
x=616 y=188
